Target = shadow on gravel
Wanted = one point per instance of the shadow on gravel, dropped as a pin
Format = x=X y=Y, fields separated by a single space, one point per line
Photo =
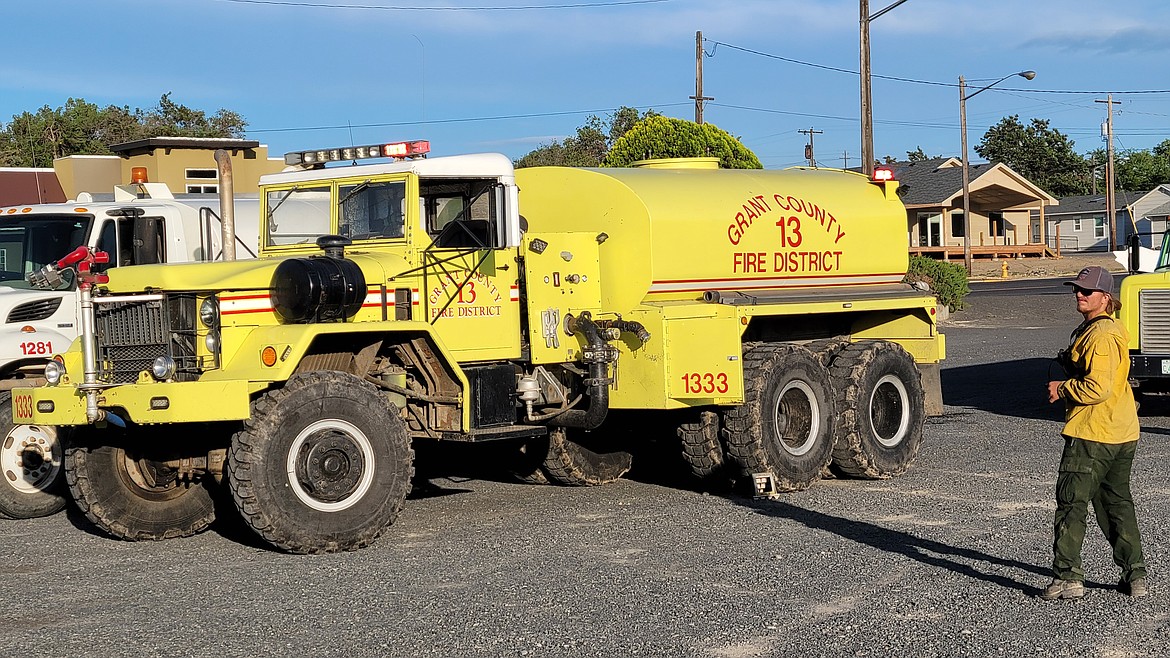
x=1008 y=388
x=926 y=551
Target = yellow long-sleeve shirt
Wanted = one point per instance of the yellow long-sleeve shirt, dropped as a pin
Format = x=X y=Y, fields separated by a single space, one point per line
x=1099 y=405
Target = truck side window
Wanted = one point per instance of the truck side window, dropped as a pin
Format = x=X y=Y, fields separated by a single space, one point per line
x=297 y=216
x=145 y=236
x=469 y=204
x=372 y=210
x=108 y=242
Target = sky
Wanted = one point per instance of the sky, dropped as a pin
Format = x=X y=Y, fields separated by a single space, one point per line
x=485 y=76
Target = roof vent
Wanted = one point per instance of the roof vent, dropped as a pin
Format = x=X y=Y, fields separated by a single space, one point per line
x=678 y=163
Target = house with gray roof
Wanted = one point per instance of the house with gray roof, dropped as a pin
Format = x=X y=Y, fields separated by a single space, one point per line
x=1080 y=223
x=1001 y=202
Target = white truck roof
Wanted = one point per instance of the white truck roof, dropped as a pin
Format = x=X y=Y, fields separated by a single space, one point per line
x=480 y=165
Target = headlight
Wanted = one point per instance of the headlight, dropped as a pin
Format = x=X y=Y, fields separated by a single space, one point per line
x=212 y=342
x=163 y=368
x=54 y=371
x=209 y=313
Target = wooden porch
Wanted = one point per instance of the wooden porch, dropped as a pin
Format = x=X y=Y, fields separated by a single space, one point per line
x=987 y=251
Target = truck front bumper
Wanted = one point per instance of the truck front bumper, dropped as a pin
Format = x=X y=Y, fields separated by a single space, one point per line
x=174 y=402
x=1149 y=366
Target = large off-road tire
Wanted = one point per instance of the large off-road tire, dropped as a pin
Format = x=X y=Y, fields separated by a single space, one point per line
x=827 y=349
x=701 y=448
x=528 y=461
x=785 y=424
x=32 y=476
x=323 y=465
x=880 y=410
x=125 y=490
x=578 y=459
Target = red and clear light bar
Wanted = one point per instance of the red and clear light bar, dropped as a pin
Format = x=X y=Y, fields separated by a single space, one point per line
x=397 y=150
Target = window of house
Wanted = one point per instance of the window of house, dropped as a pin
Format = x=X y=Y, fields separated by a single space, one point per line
x=204 y=180
x=1098 y=227
x=998 y=226
x=957 y=224
x=1077 y=224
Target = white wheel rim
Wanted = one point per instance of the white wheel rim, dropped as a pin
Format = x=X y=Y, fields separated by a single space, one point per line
x=800 y=399
x=30 y=458
x=367 y=477
x=887 y=399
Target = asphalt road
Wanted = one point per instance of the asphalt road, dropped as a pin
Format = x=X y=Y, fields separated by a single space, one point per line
x=944 y=561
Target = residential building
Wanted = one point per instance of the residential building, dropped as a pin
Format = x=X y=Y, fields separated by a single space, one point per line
x=1001 y=202
x=23 y=185
x=186 y=164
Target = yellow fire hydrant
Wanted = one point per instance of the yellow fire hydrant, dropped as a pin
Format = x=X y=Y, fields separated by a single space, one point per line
x=1003 y=273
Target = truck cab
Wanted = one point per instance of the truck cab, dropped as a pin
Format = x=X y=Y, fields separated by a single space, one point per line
x=138 y=224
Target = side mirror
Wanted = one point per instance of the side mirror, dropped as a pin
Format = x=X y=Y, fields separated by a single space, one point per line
x=1135 y=244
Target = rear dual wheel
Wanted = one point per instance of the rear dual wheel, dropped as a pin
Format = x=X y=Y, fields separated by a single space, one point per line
x=881 y=406
x=785 y=425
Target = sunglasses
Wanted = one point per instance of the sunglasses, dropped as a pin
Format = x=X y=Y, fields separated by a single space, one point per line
x=1083 y=293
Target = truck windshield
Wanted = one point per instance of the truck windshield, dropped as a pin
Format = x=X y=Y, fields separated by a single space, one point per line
x=29 y=242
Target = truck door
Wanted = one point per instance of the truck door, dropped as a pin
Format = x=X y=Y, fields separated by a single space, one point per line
x=134 y=240
x=469 y=287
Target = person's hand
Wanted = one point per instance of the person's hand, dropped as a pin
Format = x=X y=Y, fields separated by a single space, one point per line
x=1054 y=391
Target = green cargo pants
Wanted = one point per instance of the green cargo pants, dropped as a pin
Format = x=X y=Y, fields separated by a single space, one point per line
x=1097 y=472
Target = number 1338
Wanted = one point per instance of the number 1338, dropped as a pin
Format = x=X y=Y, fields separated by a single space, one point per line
x=705 y=382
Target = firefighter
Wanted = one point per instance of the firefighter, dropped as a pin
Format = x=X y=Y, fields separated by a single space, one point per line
x=1100 y=435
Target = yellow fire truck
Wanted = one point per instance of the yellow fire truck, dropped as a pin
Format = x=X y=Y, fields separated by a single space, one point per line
x=1145 y=311
x=453 y=298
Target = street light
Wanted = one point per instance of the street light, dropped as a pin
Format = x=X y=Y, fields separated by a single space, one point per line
x=963 y=97
x=866 y=101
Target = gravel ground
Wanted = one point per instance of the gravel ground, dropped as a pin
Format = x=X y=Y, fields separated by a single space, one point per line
x=944 y=561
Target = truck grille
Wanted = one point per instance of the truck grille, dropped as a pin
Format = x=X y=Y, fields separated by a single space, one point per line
x=131 y=334
x=1154 y=321
x=34 y=310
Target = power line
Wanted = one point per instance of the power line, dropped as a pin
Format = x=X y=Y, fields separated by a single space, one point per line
x=922 y=82
x=428 y=122
x=576 y=5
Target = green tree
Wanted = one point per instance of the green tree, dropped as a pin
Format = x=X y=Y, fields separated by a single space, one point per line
x=664 y=137
x=1039 y=152
x=35 y=139
x=918 y=155
x=1141 y=170
x=171 y=119
x=588 y=147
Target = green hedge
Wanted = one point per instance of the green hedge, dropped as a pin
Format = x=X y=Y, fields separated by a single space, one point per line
x=948 y=281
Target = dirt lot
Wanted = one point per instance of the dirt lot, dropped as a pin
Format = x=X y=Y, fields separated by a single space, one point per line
x=1068 y=264
x=945 y=561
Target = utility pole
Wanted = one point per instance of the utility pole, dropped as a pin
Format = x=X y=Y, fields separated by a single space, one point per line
x=866 y=106
x=699 y=97
x=845 y=156
x=809 y=154
x=867 y=157
x=1110 y=174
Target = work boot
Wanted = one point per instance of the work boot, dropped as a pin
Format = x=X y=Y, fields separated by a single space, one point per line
x=1063 y=589
x=1136 y=588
